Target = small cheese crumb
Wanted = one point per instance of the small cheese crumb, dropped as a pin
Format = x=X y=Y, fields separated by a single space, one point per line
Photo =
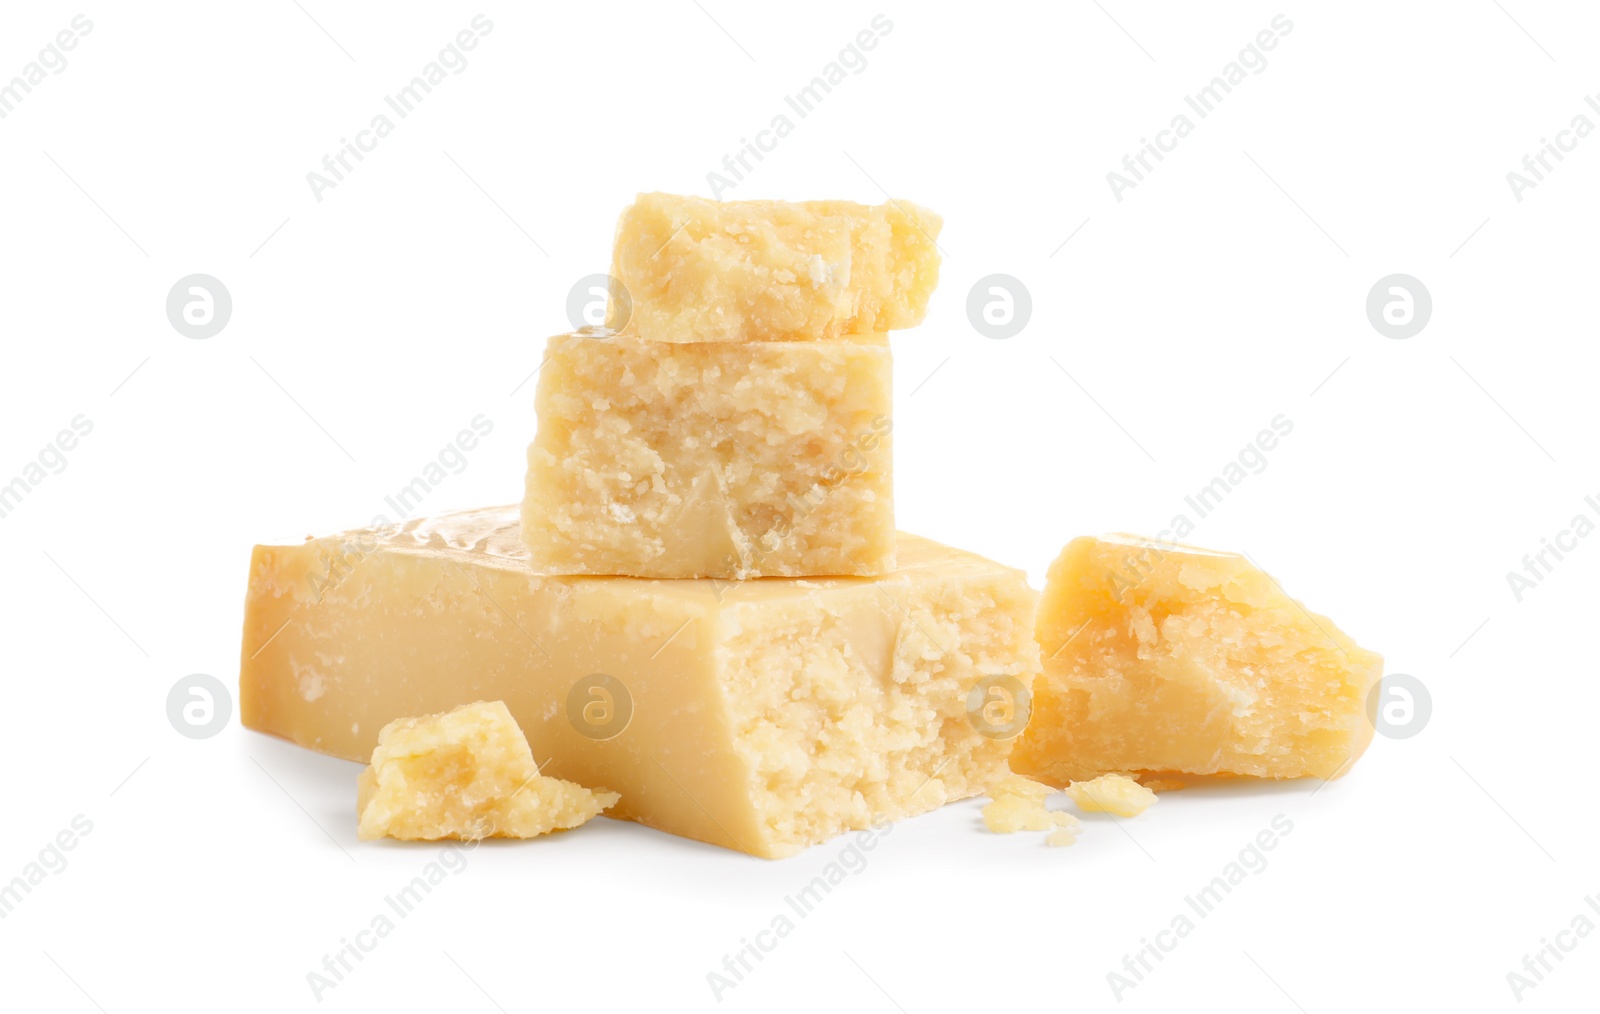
x=1018 y=805
x=1115 y=794
x=1010 y=814
x=465 y=774
x=1062 y=837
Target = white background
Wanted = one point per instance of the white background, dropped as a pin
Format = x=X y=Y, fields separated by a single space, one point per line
x=1227 y=288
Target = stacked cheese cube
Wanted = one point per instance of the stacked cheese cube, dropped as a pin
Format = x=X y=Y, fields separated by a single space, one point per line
x=739 y=426
x=736 y=426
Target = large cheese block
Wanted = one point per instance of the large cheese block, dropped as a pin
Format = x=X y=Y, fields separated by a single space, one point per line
x=1166 y=658
x=763 y=716
x=696 y=270
x=757 y=459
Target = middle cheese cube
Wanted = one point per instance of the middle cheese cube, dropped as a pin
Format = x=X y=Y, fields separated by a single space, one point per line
x=723 y=460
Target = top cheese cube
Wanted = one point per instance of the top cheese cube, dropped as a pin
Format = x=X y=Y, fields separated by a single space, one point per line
x=696 y=270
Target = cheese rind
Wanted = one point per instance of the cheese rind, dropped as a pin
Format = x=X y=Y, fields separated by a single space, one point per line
x=697 y=270
x=1167 y=658
x=468 y=774
x=760 y=459
x=763 y=716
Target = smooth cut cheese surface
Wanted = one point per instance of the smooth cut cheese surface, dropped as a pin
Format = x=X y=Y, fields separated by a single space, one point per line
x=758 y=459
x=697 y=270
x=468 y=774
x=763 y=716
x=1165 y=658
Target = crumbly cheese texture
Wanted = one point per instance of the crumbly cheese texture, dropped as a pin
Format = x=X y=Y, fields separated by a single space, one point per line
x=468 y=774
x=1018 y=804
x=1165 y=658
x=697 y=270
x=1115 y=794
x=758 y=459
x=763 y=716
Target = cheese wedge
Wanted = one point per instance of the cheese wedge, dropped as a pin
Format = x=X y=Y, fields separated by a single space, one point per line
x=1166 y=658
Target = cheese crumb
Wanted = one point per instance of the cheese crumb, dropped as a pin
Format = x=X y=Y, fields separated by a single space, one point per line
x=1114 y=794
x=1018 y=804
x=1016 y=785
x=465 y=774
x=1010 y=814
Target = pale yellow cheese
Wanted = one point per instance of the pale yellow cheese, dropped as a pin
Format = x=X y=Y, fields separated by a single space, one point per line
x=468 y=774
x=758 y=459
x=1010 y=814
x=1018 y=804
x=1116 y=794
x=696 y=270
x=760 y=715
x=1018 y=786
x=1165 y=658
